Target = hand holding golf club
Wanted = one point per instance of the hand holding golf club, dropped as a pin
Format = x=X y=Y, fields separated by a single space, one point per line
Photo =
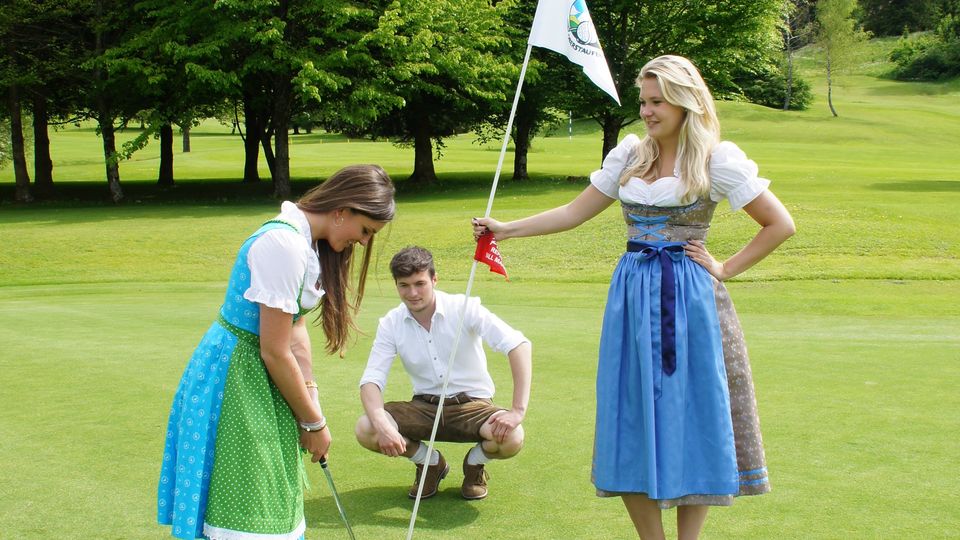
x=316 y=442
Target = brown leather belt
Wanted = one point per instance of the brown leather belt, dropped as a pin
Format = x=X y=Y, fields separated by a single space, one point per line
x=456 y=399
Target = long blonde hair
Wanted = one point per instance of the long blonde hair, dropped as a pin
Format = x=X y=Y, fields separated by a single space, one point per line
x=682 y=85
x=364 y=189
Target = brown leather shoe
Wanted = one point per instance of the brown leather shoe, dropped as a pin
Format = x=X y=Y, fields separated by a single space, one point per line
x=435 y=473
x=474 y=481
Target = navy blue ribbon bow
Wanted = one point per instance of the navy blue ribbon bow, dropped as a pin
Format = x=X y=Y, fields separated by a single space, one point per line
x=666 y=254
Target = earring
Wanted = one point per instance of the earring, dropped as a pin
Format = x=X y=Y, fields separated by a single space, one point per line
x=339 y=221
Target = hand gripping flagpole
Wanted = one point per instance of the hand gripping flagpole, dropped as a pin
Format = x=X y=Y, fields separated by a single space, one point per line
x=463 y=309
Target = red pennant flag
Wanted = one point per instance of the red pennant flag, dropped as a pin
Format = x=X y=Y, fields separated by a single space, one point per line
x=488 y=253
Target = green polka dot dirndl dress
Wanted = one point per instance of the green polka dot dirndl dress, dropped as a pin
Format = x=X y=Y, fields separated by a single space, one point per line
x=232 y=465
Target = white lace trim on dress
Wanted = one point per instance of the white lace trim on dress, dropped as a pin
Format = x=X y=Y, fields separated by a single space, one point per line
x=216 y=533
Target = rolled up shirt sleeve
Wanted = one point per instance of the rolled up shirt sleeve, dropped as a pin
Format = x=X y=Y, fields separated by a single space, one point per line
x=497 y=334
x=382 y=355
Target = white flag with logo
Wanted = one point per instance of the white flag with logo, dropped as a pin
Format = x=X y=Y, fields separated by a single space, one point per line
x=565 y=26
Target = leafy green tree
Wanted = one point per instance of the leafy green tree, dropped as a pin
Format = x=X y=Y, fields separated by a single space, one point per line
x=38 y=64
x=934 y=56
x=111 y=94
x=265 y=57
x=38 y=69
x=12 y=81
x=536 y=111
x=438 y=66
x=39 y=58
x=538 y=107
x=55 y=97
x=159 y=56
x=797 y=30
x=837 y=34
x=717 y=35
x=893 y=17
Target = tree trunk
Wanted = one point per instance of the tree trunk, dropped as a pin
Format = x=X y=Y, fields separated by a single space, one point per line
x=611 y=133
x=165 y=178
x=105 y=118
x=185 y=130
x=20 y=173
x=830 y=86
x=110 y=157
x=42 y=164
x=521 y=145
x=281 y=140
x=788 y=91
x=423 y=171
x=265 y=142
x=251 y=144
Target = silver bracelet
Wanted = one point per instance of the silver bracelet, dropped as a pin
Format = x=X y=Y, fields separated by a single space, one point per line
x=314 y=426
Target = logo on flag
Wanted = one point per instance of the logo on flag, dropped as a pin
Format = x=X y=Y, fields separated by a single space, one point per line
x=565 y=26
x=489 y=254
x=581 y=28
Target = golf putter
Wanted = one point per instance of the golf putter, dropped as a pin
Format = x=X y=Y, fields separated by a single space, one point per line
x=336 y=497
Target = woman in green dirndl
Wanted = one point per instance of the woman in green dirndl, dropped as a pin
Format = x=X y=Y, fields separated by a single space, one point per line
x=247 y=402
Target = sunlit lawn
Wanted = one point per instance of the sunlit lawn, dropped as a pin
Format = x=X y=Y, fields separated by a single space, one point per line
x=853 y=327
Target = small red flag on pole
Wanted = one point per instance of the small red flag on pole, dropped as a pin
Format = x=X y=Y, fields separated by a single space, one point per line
x=488 y=253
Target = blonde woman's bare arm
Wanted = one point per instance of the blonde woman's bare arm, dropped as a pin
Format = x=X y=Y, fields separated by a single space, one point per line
x=586 y=206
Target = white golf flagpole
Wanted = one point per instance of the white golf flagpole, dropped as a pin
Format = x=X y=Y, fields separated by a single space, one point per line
x=463 y=309
x=506 y=135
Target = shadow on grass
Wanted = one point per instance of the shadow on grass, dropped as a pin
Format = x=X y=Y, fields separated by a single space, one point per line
x=913 y=88
x=95 y=193
x=919 y=186
x=231 y=192
x=388 y=506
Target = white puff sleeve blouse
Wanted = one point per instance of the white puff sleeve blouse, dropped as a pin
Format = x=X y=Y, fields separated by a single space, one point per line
x=281 y=261
x=733 y=176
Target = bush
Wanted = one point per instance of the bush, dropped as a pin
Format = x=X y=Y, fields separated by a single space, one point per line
x=939 y=62
x=929 y=57
x=768 y=87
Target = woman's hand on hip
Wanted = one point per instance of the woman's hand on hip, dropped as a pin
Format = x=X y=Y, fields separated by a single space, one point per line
x=697 y=251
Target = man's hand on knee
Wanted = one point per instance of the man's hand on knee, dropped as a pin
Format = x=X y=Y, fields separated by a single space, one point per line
x=503 y=424
x=391 y=442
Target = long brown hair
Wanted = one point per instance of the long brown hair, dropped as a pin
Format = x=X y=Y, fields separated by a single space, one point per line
x=364 y=189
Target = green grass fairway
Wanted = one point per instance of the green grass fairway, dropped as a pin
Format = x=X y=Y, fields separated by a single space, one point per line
x=853 y=327
x=856 y=382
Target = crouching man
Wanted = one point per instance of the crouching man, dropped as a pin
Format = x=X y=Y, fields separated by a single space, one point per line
x=422 y=331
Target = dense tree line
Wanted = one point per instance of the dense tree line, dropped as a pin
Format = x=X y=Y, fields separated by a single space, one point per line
x=894 y=17
x=415 y=71
x=932 y=56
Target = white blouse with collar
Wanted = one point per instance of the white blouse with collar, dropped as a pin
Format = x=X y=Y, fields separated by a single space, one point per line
x=732 y=176
x=280 y=261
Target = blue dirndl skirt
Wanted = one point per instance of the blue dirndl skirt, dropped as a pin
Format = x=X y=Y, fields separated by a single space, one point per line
x=663 y=410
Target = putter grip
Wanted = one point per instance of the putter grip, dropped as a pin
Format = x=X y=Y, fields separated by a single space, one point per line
x=323 y=462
